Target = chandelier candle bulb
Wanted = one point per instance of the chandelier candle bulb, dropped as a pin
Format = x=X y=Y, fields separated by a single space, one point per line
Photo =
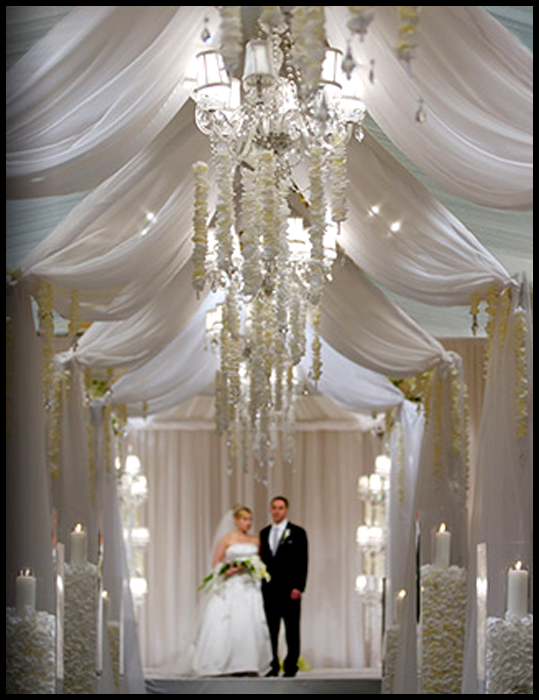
x=25 y=591
x=517 y=590
x=399 y=606
x=79 y=546
x=442 y=547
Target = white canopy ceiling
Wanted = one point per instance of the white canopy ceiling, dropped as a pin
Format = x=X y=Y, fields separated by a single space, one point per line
x=508 y=235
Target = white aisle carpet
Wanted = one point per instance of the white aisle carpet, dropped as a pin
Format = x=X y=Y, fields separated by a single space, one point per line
x=316 y=682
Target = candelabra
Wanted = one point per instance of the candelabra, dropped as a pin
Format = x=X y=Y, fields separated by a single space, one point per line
x=133 y=491
x=371 y=538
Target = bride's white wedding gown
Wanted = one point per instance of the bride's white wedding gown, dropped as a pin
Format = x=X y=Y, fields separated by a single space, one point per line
x=233 y=636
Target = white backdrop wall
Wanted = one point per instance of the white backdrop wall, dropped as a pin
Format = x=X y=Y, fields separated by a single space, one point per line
x=190 y=490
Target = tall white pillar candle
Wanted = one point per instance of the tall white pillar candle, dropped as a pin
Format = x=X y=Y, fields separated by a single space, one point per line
x=442 y=547
x=79 y=546
x=517 y=590
x=25 y=591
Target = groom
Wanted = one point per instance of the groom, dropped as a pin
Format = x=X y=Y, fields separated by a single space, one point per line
x=283 y=548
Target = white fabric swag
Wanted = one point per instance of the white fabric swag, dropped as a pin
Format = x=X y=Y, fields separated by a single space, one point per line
x=94 y=92
x=475 y=77
x=476 y=80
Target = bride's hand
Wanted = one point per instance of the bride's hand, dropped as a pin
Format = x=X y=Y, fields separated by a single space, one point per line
x=233 y=570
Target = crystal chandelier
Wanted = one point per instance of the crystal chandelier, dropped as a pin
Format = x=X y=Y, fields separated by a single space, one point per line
x=268 y=245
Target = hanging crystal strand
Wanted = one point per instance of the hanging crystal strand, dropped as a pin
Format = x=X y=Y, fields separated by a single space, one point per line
x=421 y=114
x=205 y=34
x=316 y=368
x=231 y=321
x=289 y=418
x=256 y=361
x=297 y=320
x=224 y=219
x=268 y=217
x=282 y=294
x=220 y=403
x=231 y=38
x=200 y=225
x=372 y=74
x=348 y=64
x=318 y=225
x=250 y=240
x=338 y=178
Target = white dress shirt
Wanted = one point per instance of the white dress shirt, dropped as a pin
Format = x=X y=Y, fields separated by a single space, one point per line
x=276 y=534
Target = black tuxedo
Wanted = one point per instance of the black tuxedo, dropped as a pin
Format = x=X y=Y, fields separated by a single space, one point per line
x=288 y=571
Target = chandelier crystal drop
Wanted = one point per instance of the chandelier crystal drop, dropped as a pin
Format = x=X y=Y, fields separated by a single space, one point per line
x=268 y=246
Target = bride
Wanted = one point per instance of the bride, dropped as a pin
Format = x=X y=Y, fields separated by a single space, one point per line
x=233 y=636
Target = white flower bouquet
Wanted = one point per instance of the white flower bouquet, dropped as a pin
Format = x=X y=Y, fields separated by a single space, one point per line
x=253 y=565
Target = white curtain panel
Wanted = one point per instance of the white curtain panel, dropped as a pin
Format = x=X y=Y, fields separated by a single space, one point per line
x=502 y=513
x=28 y=495
x=94 y=92
x=477 y=82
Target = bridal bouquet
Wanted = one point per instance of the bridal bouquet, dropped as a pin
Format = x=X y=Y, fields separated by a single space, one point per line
x=253 y=565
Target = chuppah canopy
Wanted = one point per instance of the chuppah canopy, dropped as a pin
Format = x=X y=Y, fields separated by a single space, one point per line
x=78 y=119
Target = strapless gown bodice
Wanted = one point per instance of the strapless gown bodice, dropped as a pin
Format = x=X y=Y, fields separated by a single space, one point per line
x=240 y=551
x=233 y=636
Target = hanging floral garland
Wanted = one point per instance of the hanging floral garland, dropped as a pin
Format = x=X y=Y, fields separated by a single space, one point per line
x=200 y=225
x=231 y=38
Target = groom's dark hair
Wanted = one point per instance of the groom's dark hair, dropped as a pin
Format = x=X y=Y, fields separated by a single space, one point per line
x=280 y=498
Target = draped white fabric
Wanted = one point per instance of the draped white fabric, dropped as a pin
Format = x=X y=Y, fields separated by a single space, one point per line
x=502 y=513
x=431 y=256
x=94 y=92
x=477 y=148
x=129 y=239
x=477 y=83
x=28 y=502
x=439 y=496
x=369 y=329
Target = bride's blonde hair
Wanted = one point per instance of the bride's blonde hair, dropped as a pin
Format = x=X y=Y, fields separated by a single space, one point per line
x=241 y=510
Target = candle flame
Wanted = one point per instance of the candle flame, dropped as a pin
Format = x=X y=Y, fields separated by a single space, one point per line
x=518 y=565
x=442 y=528
x=78 y=528
x=401 y=595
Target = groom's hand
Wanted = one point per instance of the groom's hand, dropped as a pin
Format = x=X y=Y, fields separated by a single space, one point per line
x=295 y=594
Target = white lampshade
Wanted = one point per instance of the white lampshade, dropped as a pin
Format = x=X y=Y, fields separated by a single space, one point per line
x=213 y=84
x=332 y=74
x=258 y=70
x=351 y=105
